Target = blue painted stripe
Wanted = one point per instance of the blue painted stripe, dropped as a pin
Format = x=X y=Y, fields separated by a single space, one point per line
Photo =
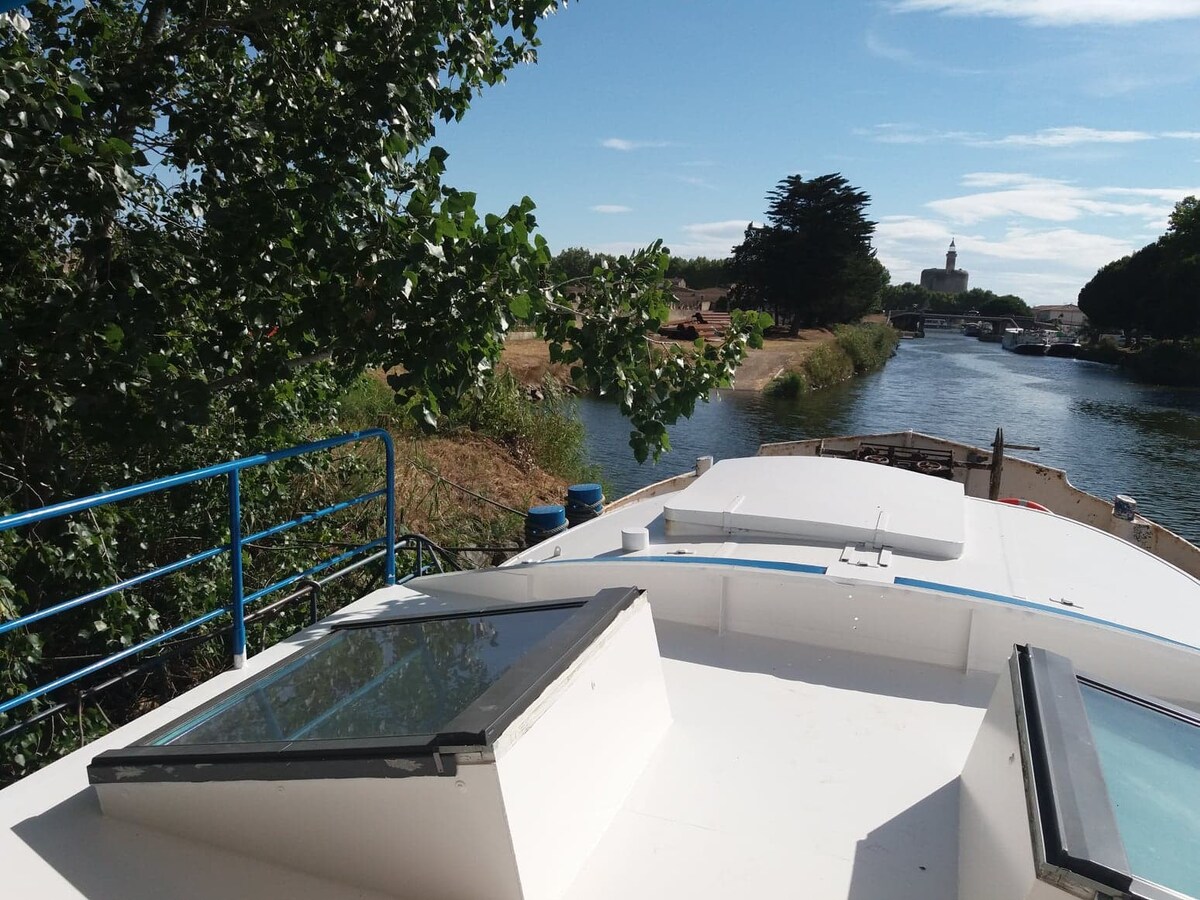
x=768 y=564
x=1038 y=607
x=804 y=568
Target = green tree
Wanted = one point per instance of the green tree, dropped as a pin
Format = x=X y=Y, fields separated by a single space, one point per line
x=238 y=206
x=911 y=296
x=217 y=214
x=700 y=272
x=578 y=262
x=812 y=263
x=984 y=302
x=1155 y=291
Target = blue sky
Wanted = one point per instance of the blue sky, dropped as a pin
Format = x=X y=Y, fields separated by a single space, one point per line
x=1047 y=136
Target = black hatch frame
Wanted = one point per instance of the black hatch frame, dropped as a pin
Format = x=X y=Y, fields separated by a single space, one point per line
x=1075 y=825
x=474 y=729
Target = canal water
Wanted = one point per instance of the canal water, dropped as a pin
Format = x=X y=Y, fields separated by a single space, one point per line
x=1110 y=434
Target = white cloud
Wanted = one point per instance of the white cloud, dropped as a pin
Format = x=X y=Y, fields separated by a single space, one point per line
x=1051 y=200
x=880 y=47
x=1065 y=136
x=904 y=133
x=696 y=181
x=1183 y=135
x=1002 y=179
x=713 y=239
x=611 y=208
x=1061 y=12
x=1167 y=195
x=1083 y=250
x=626 y=145
x=734 y=229
x=1040 y=238
x=1069 y=137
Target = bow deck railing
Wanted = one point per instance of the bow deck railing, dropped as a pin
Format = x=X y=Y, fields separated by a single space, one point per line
x=238 y=600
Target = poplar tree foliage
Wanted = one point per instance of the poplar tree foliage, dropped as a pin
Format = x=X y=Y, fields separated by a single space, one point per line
x=216 y=214
x=229 y=205
x=812 y=263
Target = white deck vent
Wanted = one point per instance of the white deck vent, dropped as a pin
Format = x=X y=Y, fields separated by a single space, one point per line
x=830 y=501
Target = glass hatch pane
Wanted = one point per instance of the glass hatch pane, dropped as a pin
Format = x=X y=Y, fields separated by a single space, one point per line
x=1151 y=766
x=388 y=680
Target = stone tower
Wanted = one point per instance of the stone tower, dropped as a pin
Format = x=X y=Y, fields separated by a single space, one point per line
x=950 y=280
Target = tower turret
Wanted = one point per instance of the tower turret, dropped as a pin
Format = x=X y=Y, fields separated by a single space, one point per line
x=948 y=280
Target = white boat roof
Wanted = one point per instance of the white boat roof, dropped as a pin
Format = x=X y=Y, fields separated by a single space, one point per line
x=825 y=500
x=825 y=687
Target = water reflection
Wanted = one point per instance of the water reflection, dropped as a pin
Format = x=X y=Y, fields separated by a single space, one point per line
x=1111 y=435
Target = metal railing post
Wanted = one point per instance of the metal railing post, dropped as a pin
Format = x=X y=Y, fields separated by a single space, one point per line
x=389 y=561
x=238 y=603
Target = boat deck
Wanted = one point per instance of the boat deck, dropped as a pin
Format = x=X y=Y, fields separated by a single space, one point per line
x=789 y=770
x=794 y=771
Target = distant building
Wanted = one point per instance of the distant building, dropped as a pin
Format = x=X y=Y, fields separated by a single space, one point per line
x=685 y=298
x=1067 y=314
x=948 y=280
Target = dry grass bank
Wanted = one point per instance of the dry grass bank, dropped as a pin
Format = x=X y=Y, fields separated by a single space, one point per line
x=529 y=359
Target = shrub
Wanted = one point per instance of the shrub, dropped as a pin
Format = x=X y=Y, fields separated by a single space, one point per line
x=856 y=349
x=789 y=385
x=1175 y=363
x=869 y=345
x=828 y=364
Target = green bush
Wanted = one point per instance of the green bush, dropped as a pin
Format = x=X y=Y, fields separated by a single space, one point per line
x=789 y=385
x=1105 y=350
x=856 y=349
x=869 y=345
x=828 y=364
x=546 y=432
x=1175 y=363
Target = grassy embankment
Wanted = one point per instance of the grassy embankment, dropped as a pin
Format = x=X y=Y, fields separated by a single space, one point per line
x=503 y=445
x=1174 y=363
x=855 y=349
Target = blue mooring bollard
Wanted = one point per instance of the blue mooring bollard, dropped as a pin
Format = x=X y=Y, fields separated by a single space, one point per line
x=584 y=503
x=542 y=522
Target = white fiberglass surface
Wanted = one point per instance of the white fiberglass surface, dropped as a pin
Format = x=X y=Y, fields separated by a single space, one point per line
x=794 y=771
x=825 y=499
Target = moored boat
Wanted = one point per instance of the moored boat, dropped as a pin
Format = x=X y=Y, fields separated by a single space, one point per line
x=1025 y=342
x=1064 y=346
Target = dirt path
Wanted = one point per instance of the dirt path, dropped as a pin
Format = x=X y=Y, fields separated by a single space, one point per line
x=529 y=360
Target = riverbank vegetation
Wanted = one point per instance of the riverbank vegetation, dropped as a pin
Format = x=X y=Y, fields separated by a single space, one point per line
x=856 y=349
x=1152 y=292
x=1151 y=295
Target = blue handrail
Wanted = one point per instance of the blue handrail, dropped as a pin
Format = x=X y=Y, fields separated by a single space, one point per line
x=238 y=598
